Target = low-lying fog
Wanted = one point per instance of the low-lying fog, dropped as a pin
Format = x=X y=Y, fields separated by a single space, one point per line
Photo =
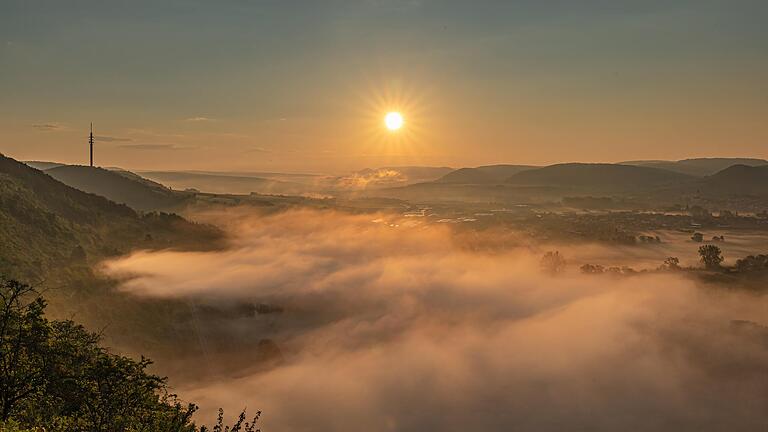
x=405 y=328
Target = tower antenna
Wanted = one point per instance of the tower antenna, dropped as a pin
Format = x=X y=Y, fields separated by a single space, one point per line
x=90 y=141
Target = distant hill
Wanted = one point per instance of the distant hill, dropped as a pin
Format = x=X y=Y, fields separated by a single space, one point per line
x=467 y=176
x=738 y=180
x=45 y=223
x=224 y=183
x=504 y=171
x=284 y=176
x=699 y=167
x=293 y=184
x=483 y=174
x=536 y=185
x=135 y=177
x=120 y=186
x=41 y=165
x=598 y=177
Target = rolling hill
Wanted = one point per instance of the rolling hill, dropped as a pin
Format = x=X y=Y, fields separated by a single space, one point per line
x=546 y=184
x=483 y=174
x=119 y=186
x=467 y=176
x=45 y=223
x=223 y=183
x=598 y=177
x=504 y=171
x=42 y=165
x=738 y=180
x=699 y=167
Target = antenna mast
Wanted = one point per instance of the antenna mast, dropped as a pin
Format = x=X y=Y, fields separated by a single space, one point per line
x=90 y=141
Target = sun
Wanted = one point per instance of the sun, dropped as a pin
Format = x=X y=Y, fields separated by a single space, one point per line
x=393 y=121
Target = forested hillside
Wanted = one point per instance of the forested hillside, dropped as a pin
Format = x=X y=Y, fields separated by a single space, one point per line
x=54 y=236
x=45 y=224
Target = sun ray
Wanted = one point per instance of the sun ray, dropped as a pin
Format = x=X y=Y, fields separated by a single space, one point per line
x=406 y=110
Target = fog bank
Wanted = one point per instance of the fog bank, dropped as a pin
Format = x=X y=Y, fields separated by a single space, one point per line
x=392 y=324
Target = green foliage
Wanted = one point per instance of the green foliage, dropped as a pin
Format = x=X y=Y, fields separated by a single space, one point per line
x=55 y=375
x=14 y=426
x=671 y=264
x=53 y=234
x=239 y=425
x=711 y=256
x=752 y=263
x=46 y=225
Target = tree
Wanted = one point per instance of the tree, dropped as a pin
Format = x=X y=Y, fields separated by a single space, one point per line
x=752 y=263
x=711 y=256
x=239 y=425
x=592 y=269
x=671 y=263
x=552 y=262
x=55 y=376
x=24 y=334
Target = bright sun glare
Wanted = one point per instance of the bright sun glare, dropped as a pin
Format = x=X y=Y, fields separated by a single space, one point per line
x=393 y=121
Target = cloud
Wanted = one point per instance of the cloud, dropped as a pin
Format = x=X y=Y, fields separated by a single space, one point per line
x=257 y=150
x=48 y=127
x=104 y=138
x=391 y=323
x=154 y=147
x=199 y=119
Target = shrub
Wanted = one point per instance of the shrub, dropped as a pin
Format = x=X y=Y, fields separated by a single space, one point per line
x=56 y=376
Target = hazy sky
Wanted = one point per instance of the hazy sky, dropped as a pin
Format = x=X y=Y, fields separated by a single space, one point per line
x=304 y=85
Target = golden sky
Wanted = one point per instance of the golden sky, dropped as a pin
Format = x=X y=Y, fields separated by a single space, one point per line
x=304 y=86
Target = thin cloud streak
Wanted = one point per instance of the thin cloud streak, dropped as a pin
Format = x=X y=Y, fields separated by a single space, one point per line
x=105 y=138
x=48 y=127
x=154 y=147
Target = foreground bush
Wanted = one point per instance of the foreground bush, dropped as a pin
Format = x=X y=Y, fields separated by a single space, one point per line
x=54 y=376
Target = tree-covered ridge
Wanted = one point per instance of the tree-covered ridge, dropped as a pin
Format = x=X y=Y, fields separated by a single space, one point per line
x=45 y=224
x=55 y=376
x=56 y=236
